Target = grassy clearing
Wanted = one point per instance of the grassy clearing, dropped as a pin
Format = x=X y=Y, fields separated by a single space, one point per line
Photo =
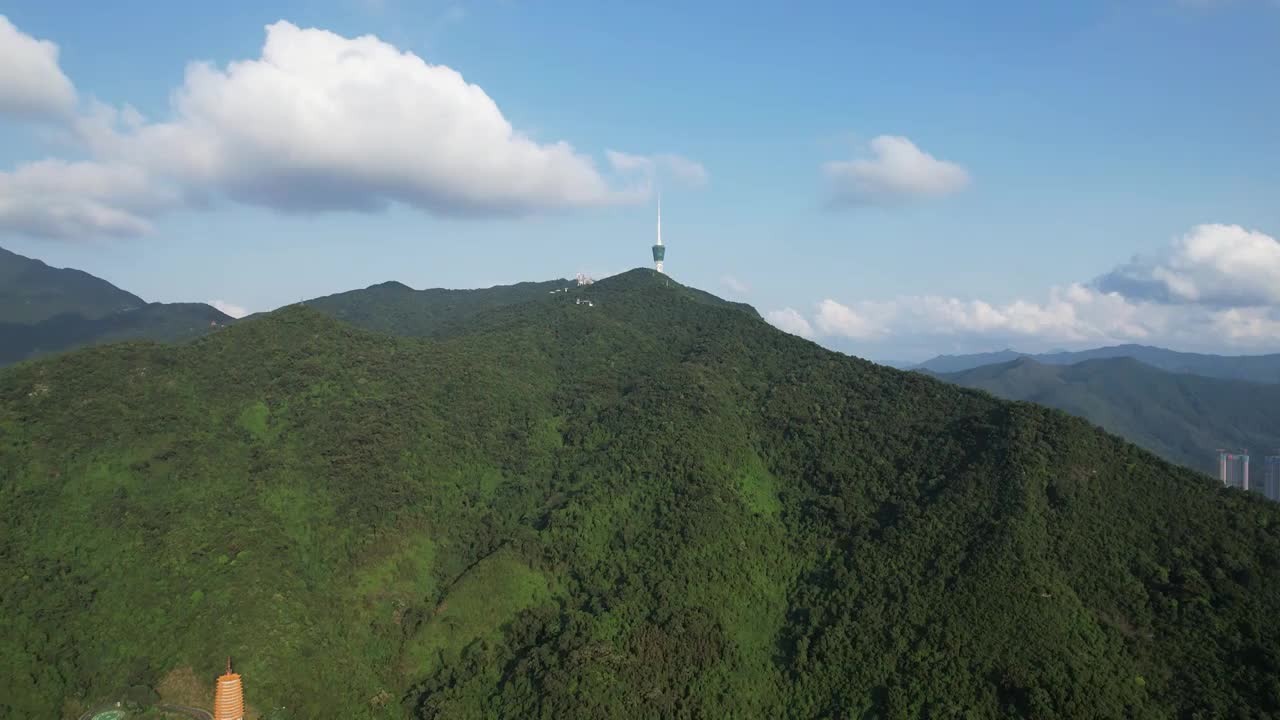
x=758 y=487
x=484 y=599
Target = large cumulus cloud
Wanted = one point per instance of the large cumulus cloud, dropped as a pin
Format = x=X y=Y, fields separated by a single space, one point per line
x=323 y=122
x=1218 y=265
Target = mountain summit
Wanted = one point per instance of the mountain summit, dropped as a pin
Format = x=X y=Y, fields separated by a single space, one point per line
x=628 y=499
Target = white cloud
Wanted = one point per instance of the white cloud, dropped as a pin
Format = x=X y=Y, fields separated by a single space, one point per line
x=32 y=85
x=322 y=122
x=684 y=170
x=57 y=199
x=1220 y=265
x=653 y=168
x=1212 y=290
x=734 y=284
x=325 y=122
x=836 y=319
x=1074 y=313
x=790 y=320
x=897 y=172
x=235 y=311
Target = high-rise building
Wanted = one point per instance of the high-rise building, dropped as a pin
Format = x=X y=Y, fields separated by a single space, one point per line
x=228 y=699
x=659 y=250
x=1233 y=469
x=1271 y=476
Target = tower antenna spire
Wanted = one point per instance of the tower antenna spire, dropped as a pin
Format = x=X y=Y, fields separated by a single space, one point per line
x=659 y=250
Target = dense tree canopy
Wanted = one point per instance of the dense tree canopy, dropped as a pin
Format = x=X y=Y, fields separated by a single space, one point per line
x=655 y=506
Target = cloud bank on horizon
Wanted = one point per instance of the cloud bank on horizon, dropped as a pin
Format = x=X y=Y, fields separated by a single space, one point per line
x=1215 y=286
x=318 y=122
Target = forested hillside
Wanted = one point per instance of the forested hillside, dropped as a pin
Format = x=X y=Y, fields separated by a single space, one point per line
x=396 y=308
x=655 y=506
x=45 y=310
x=1183 y=418
x=31 y=291
x=162 y=322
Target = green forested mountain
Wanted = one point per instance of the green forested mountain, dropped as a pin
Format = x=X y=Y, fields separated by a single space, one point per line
x=396 y=308
x=1253 y=368
x=31 y=291
x=162 y=322
x=45 y=310
x=1184 y=418
x=656 y=506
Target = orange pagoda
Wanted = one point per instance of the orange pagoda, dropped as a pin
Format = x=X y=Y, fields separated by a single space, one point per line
x=228 y=700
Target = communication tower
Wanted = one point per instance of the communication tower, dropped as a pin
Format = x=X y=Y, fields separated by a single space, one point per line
x=659 y=250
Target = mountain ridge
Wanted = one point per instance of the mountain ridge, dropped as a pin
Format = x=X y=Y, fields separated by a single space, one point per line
x=1256 y=368
x=652 y=505
x=45 y=310
x=1182 y=417
x=32 y=291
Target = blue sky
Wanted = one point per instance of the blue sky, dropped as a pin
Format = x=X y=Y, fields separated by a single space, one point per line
x=890 y=181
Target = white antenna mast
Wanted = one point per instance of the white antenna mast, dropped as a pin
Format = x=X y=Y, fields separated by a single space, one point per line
x=659 y=218
x=659 y=252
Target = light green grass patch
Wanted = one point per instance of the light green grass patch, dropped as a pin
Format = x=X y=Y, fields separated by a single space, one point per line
x=548 y=434
x=480 y=603
x=404 y=574
x=254 y=420
x=758 y=488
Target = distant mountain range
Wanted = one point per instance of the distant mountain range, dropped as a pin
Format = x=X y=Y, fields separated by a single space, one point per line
x=45 y=310
x=1181 y=417
x=1255 y=368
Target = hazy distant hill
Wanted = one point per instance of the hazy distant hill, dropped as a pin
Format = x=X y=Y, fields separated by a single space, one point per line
x=956 y=363
x=31 y=291
x=1181 y=417
x=1254 y=368
x=162 y=322
x=45 y=310
x=655 y=506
